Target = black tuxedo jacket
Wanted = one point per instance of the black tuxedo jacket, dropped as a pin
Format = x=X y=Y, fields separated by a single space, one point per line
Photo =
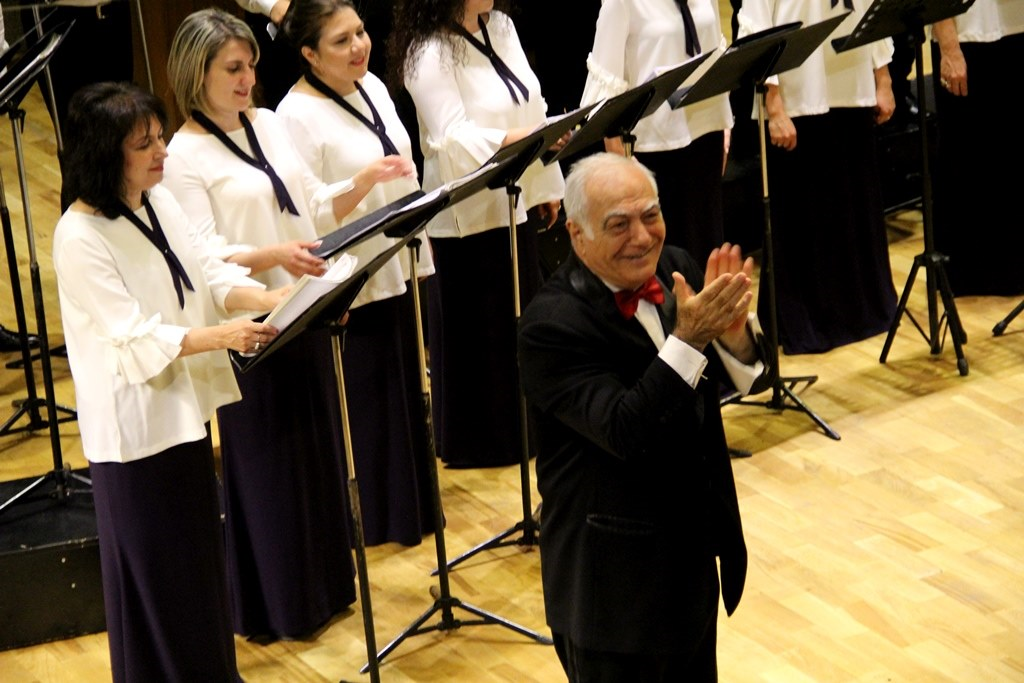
x=633 y=469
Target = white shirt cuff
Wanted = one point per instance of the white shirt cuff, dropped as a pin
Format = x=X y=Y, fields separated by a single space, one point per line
x=687 y=361
x=741 y=374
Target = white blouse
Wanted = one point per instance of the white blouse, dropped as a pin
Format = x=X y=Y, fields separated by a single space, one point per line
x=336 y=146
x=257 y=6
x=635 y=37
x=987 y=21
x=827 y=78
x=123 y=329
x=233 y=204
x=464 y=111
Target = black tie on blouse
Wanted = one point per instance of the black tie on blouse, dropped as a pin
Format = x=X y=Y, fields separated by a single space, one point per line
x=690 y=29
x=848 y=4
x=260 y=162
x=377 y=125
x=504 y=72
x=155 y=234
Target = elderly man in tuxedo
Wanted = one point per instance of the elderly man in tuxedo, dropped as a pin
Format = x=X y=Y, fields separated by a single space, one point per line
x=622 y=355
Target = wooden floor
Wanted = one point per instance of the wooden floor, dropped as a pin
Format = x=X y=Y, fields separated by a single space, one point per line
x=893 y=554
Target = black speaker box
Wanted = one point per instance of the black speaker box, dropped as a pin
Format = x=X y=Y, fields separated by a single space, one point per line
x=50 y=585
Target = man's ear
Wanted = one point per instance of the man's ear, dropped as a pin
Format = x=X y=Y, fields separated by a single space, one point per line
x=575 y=230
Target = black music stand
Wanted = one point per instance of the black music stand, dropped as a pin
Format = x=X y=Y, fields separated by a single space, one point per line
x=515 y=158
x=401 y=220
x=14 y=85
x=882 y=19
x=753 y=59
x=617 y=116
x=326 y=312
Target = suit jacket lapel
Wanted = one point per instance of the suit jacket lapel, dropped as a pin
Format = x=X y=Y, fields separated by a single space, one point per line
x=667 y=309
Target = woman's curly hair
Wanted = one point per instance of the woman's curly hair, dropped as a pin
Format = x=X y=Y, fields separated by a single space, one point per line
x=414 y=22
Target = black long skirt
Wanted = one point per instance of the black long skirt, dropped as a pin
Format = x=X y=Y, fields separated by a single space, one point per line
x=387 y=421
x=832 y=276
x=977 y=176
x=289 y=563
x=690 y=192
x=474 y=375
x=162 y=559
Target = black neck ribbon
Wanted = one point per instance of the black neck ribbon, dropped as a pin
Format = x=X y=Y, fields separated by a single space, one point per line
x=155 y=234
x=690 y=29
x=504 y=72
x=377 y=125
x=847 y=4
x=260 y=162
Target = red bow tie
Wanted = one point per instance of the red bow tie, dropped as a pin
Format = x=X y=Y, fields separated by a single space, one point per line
x=627 y=301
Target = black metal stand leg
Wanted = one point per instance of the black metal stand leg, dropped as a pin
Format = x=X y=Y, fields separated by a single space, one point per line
x=60 y=351
x=529 y=525
x=1002 y=324
x=444 y=602
x=935 y=273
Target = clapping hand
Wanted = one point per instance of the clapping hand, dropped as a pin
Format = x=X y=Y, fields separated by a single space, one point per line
x=719 y=310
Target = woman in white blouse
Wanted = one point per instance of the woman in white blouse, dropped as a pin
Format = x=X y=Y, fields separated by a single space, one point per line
x=140 y=298
x=685 y=148
x=342 y=119
x=468 y=107
x=832 y=276
x=238 y=175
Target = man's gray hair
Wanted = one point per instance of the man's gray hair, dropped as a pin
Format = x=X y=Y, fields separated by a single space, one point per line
x=576 y=202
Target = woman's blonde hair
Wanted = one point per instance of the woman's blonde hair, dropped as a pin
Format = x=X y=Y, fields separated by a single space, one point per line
x=196 y=42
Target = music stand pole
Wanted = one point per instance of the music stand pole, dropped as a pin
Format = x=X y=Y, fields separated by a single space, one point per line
x=883 y=19
x=30 y=405
x=14 y=83
x=337 y=337
x=61 y=474
x=524 y=152
x=931 y=260
x=754 y=59
x=444 y=602
x=48 y=81
x=782 y=387
x=529 y=524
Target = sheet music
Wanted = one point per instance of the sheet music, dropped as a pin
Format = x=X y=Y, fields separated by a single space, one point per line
x=448 y=187
x=309 y=289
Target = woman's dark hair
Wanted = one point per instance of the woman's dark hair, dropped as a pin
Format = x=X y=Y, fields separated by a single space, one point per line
x=304 y=21
x=101 y=116
x=417 y=21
